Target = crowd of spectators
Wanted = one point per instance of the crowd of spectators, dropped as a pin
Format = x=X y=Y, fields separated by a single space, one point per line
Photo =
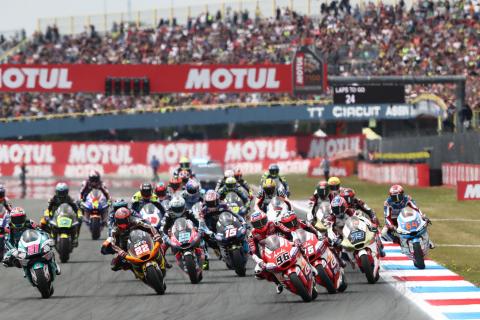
x=431 y=38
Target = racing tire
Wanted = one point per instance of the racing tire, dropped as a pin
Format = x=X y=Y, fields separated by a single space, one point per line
x=326 y=280
x=43 y=285
x=367 y=269
x=301 y=290
x=238 y=262
x=314 y=293
x=64 y=248
x=95 y=228
x=191 y=268
x=155 y=279
x=419 y=261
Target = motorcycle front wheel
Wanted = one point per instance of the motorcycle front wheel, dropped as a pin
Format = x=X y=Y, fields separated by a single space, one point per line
x=367 y=269
x=301 y=290
x=155 y=279
x=327 y=282
x=43 y=285
x=238 y=262
x=191 y=268
x=95 y=227
x=64 y=247
x=419 y=260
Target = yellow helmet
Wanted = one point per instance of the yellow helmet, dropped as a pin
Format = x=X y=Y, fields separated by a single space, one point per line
x=334 y=183
x=269 y=186
x=184 y=162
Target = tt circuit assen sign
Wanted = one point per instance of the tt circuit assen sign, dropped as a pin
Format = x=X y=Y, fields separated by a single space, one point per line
x=468 y=190
x=162 y=78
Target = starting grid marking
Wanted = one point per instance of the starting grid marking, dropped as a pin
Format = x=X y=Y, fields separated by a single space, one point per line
x=441 y=293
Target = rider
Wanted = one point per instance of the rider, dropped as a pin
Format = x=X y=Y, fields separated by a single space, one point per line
x=61 y=196
x=117 y=204
x=262 y=228
x=184 y=176
x=290 y=221
x=397 y=201
x=267 y=193
x=124 y=223
x=221 y=182
x=192 y=194
x=184 y=164
x=17 y=225
x=273 y=173
x=4 y=200
x=242 y=182
x=161 y=191
x=334 y=187
x=145 y=195
x=231 y=185
x=319 y=195
x=177 y=210
x=358 y=204
x=93 y=182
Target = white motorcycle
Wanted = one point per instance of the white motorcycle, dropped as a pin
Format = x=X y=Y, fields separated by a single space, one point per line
x=276 y=209
x=318 y=221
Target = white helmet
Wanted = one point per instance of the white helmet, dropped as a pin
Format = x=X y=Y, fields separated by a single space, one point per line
x=229 y=174
x=177 y=207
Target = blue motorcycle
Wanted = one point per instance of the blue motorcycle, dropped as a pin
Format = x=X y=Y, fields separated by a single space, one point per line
x=230 y=236
x=95 y=209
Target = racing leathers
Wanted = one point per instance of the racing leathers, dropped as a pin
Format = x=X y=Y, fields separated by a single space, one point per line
x=359 y=204
x=6 y=203
x=263 y=200
x=280 y=181
x=191 y=199
x=223 y=191
x=138 y=202
x=117 y=242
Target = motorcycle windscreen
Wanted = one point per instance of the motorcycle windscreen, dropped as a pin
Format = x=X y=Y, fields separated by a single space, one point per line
x=182 y=230
x=139 y=243
x=232 y=197
x=65 y=216
x=30 y=236
x=97 y=199
x=149 y=209
x=272 y=243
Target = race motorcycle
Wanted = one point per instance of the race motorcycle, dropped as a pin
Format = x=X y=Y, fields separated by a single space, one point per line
x=185 y=242
x=361 y=243
x=287 y=263
x=276 y=209
x=151 y=214
x=3 y=228
x=234 y=202
x=95 y=209
x=413 y=234
x=230 y=237
x=318 y=221
x=330 y=274
x=63 y=227
x=146 y=259
x=35 y=254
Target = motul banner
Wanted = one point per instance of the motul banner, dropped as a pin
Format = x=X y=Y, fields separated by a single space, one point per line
x=163 y=78
x=339 y=168
x=409 y=174
x=453 y=172
x=468 y=190
x=337 y=147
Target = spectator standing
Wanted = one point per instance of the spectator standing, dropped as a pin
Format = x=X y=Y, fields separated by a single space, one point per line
x=154 y=164
x=325 y=165
x=23 y=179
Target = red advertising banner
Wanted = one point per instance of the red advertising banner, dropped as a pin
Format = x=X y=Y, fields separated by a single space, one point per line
x=339 y=168
x=336 y=147
x=409 y=174
x=468 y=190
x=453 y=172
x=163 y=78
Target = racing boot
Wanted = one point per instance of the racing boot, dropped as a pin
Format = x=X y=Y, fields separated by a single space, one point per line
x=279 y=285
x=168 y=265
x=431 y=244
x=58 y=271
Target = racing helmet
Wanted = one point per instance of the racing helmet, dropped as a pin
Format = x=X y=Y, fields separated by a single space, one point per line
x=211 y=199
x=238 y=174
x=269 y=186
x=230 y=183
x=322 y=189
x=2 y=192
x=184 y=163
x=192 y=187
x=348 y=194
x=228 y=174
x=177 y=207
x=61 y=190
x=161 y=190
x=273 y=170
x=122 y=218
x=184 y=176
x=146 y=190
x=259 y=221
x=120 y=203
x=396 y=193
x=18 y=217
x=334 y=183
x=289 y=220
x=339 y=207
x=94 y=177
x=175 y=183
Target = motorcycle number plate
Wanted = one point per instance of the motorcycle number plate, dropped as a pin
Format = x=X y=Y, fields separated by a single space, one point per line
x=142 y=249
x=357 y=236
x=232 y=232
x=184 y=236
x=282 y=258
x=33 y=249
x=64 y=222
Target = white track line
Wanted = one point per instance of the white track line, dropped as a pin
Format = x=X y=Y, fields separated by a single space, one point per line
x=459 y=245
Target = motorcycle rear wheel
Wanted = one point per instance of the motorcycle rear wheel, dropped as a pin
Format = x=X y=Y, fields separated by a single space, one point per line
x=64 y=246
x=367 y=269
x=191 y=269
x=326 y=279
x=301 y=290
x=238 y=263
x=155 y=279
x=43 y=285
x=419 y=260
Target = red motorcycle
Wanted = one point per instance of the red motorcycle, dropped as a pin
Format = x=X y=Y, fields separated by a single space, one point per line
x=287 y=263
x=185 y=242
x=330 y=274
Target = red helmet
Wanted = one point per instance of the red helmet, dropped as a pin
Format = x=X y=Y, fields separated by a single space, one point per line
x=289 y=220
x=18 y=217
x=396 y=193
x=238 y=174
x=122 y=218
x=175 y=183
x=259 y=221
x=348 y=194
x=161 y=190
x=184 y=175
x=211 y=198
x=323 y=189
x=339 y=206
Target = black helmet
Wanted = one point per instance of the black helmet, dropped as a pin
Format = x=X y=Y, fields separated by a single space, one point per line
x=274 y=170
x=2 y=192
x=61 y=190
x=146 y=190
x=94 y=177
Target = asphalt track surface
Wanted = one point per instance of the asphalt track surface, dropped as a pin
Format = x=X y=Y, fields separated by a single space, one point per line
x=88 y=289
